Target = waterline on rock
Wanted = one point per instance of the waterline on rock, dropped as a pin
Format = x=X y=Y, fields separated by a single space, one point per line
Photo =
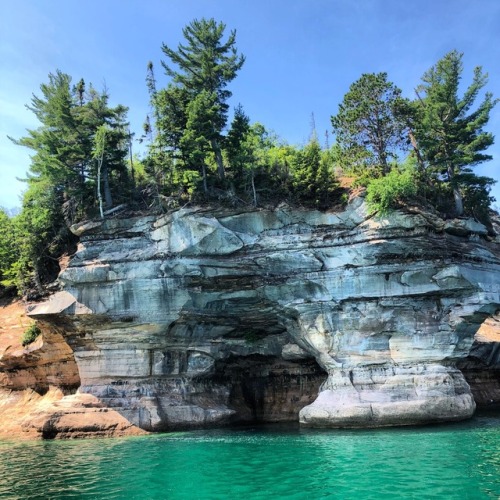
x=448 y=461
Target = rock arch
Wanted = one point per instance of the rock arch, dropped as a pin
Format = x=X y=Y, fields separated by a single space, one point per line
x=168 y=312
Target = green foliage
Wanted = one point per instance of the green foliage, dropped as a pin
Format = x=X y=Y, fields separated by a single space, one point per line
x=369 y=125
x=191 y=112
x=390 y=191
x=64 y=172
x=197 y=142
x=237 y=145
x=190 y=180
x=206 y=62
x=41 y=235
x=80 y=150
x=170 y=110
x=476 y=195
x=447 y=136
x=98 y=154
x=8 y=250
x=63 y=144
x=450 y=136
x=30 y=335
x=259 y=163
x=312 y=170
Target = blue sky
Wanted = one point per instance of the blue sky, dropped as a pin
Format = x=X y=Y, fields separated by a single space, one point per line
x=302 y=55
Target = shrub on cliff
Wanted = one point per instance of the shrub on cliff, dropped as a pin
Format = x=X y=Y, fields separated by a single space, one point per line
x=30 y=334
x=389 y=191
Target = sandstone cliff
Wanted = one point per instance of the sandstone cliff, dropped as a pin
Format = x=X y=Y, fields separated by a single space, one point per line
x=38 y=386
x=204 y=317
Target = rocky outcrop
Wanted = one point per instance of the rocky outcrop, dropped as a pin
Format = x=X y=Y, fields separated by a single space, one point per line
x=28 y=414
x=38 y=386
x=201 y=317
x=481 y=367
x=47 y=362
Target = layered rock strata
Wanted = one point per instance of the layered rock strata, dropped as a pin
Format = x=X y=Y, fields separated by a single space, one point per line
x=201 y=317
x=38 y=385
x=482 y=367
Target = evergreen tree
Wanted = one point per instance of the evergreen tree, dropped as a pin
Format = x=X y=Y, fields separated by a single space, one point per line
x=313 y=180
x=169 y=109
x=252 y=159
x=450 y=136
x=59 y=149
x=93 y=114
x=196 y=143
x=368 y=125
x=171 y=115
x=40 y=236
x=262 y=162
x=8 y=250
x=237 y=155
x=63 y=173
x=200 y=70
x=64 y=141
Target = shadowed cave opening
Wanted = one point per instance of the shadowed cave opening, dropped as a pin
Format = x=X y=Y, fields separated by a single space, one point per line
x=481 y=368
x=246 y=337
x=268 y=388
x=230 y=357
x=259 y=388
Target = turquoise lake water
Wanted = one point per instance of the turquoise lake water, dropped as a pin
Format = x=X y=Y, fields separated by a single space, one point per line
x=459 y=461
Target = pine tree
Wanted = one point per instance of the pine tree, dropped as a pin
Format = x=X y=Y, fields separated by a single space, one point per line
x=312 y=175
x=235 y=144
x=95 y=115
x=63 y=172
x=59 y=149
x=450 y=136
x=204 y=66
x=8 y=251
x=368 y=125
x=63 y=143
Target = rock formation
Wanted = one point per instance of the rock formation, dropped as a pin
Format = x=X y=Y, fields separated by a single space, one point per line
x=481 y=367
x=201 y=317
x=38 y=384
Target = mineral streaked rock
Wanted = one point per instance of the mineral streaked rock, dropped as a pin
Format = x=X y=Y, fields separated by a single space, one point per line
x=53 y=415
x=199 y=318
x=47 y=362
x=60 y=302
x=482 y=367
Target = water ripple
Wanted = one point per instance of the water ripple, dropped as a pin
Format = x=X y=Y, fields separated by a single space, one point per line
x=459 y=461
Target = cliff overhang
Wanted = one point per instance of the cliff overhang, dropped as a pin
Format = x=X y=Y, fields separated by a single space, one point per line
x=199 y=317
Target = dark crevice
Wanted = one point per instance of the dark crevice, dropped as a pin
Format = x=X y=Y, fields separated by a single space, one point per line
x=267 y=388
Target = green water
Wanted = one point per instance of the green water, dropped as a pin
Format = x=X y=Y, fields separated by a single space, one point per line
x=451 y=461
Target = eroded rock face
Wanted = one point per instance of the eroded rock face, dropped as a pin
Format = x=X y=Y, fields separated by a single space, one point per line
x=47 y=362
x=199 y=318
x=28 y=414
x=481 y=367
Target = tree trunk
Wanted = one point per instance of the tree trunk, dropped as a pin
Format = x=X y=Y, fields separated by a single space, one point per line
x=36 y=277
x=218 y=159
x=204 y=171
x=457 y=195
x=131 y=159
x=459 y=203
x=107 y=190
x=99 y=194
x=414 y=144
x=253 y=190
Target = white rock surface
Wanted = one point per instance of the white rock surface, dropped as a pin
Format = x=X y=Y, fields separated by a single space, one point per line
x=196 y=318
